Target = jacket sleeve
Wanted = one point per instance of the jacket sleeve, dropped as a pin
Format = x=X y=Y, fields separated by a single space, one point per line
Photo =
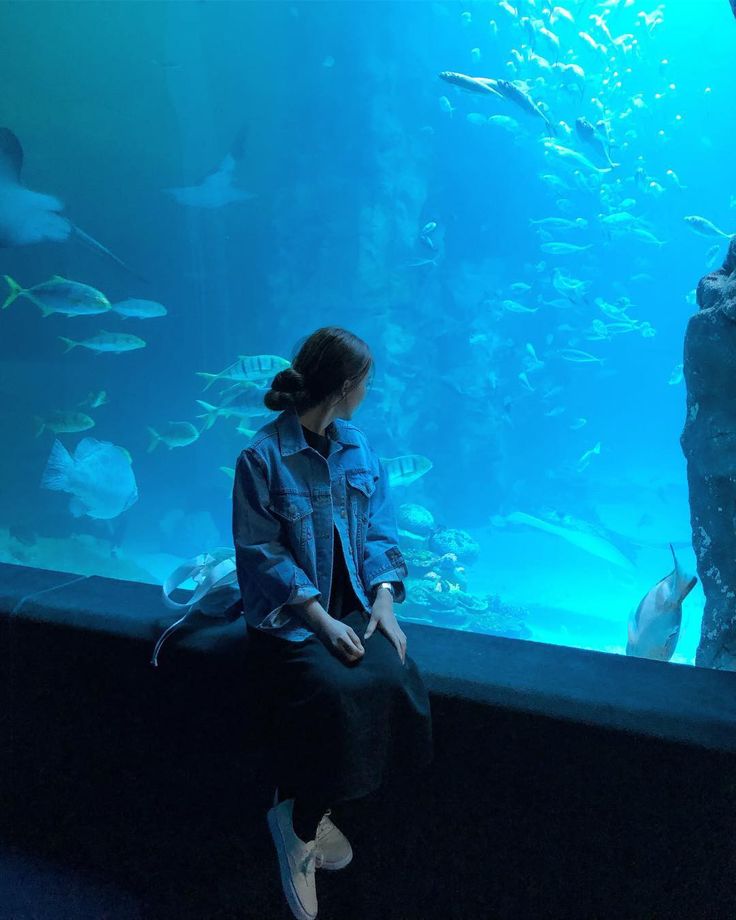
x=382 y=558
x=267 y=572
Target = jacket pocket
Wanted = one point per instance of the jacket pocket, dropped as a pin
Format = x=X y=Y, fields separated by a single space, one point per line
x=360 y=487
x=294 y=510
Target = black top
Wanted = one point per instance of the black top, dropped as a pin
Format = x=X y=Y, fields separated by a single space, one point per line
x=343 y=599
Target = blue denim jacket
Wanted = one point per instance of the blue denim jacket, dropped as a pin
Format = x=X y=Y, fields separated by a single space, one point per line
x=287 y=498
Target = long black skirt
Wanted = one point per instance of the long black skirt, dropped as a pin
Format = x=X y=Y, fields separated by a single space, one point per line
x=337 y=731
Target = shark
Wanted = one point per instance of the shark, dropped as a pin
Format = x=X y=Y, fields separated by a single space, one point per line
x=28 y=217
x=654 y=627
x=216 y=189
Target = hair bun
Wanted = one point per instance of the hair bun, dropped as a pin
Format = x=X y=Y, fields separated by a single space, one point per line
x=288 y=381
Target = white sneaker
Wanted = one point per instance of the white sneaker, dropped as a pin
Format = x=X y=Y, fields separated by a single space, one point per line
x=297 y=860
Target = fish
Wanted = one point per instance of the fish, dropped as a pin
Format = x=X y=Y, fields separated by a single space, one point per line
x=573 y=156
x=93 y=400
x=571 y=288
x=59 y=295
x=216 y=189
x=28 y=217
x=243 y=402
x=504 y=121
x=590 y=136
x=579 y=357
x=654 y=626
x=513 y=306
x=446 y=105
x=172 y=434
x=704 y=227
x=406 y=469
x=63 y=423
x=99 y=476
x=578 y=423
x=560 y=223
x=676 y=376
x=585 y=540
x=564 y=249
x=258 y=369
x=483 y=85
x=585 y=458
x=514 y=93
x=139 y=309
x=106 y=341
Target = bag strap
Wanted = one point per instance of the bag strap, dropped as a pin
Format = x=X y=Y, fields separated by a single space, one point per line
x=206 y=580
x=196 y=570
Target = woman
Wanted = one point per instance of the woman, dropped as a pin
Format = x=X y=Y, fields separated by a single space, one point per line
x=320 y=569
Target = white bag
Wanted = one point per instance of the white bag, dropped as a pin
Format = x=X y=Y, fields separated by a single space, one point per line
x=217 y=593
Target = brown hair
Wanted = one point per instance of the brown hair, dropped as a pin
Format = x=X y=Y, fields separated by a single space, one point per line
x=323 y=362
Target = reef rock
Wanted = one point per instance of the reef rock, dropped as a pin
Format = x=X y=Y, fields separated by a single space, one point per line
x=415 y=518
x=458 y=542
x=708 y=441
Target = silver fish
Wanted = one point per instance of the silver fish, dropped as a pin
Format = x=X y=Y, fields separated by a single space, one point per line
x=654 y=627
x=483 y=85
x=704 y=227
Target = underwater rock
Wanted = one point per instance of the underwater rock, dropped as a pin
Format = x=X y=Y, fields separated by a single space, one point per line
x=415 y=518
x=458 y=542
x=708 y=441
x=419 y=561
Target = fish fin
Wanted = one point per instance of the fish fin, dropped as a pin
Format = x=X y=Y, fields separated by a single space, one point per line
x=77 y=508
x=210 y=381
x=40 y=425
x=58 y=467
x=70 y=343
x=15 y=291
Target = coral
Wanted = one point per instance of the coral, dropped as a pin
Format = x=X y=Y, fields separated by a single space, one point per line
x=459 y=542
x=415 y=518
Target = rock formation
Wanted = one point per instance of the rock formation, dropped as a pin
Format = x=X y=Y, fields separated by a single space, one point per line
x=708 y=441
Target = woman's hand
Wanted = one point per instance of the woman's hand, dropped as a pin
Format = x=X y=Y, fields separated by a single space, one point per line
x=382 y=615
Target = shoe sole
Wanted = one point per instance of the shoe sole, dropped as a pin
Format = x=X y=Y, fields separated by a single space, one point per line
x=292 y=897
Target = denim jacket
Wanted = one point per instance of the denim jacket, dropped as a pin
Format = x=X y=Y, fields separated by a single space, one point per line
x=287 y=499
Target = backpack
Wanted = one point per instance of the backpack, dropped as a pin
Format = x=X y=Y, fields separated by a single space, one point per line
x=217 y=593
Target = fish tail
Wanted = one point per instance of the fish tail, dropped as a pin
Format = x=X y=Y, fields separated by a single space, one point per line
x=70 y=343
x=58 y=467
x=155 y=438
x=40 y=425
x=210 y=416
x=15 y=291
x=210 y=378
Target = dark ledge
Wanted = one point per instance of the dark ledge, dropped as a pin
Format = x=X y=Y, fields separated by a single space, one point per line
x=689 y=705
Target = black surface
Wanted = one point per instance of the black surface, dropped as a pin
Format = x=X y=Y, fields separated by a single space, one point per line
x=153 y=782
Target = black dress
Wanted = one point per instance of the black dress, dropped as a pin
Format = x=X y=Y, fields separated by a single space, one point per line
x=338 y=730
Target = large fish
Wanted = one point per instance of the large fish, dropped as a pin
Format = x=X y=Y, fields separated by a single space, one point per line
x=405 y=469
x=654 y=627
x=515 y=94
x=589 y=134
x=586 y=540
x=28 y=217
x=216 y=189
x=99 y=477
x=483 y=85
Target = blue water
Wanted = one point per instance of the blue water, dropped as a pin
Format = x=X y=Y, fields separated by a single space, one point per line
x=349 y=152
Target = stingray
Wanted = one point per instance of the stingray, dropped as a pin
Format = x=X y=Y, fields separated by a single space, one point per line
x=216 y=189
x=28 y=217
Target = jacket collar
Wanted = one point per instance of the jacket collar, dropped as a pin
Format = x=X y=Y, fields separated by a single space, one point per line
x=291 y=436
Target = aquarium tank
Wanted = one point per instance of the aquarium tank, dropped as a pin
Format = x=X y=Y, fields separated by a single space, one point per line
x=511 y=202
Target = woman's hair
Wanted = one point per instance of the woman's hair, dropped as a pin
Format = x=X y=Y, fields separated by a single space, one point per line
x=324 y=361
